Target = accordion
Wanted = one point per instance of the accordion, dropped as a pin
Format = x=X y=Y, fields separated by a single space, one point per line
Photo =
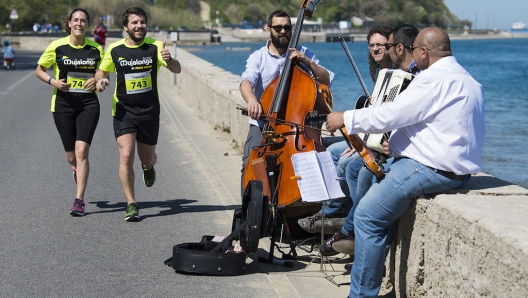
x=389 y=84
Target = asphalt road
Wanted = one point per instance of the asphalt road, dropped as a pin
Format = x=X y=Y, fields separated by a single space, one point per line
x=47 y=253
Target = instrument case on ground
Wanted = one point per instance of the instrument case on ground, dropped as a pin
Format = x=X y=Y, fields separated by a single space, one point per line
x=209 y=257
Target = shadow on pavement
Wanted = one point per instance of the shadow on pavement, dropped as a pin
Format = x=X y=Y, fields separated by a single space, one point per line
x=172 y=207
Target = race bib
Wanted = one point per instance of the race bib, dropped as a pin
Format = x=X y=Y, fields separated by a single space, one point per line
x=138 y=82
x=77 y=81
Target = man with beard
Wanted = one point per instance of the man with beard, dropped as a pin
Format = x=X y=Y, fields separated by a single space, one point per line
x=399 y=48
x=264 y=65
x=135 y=107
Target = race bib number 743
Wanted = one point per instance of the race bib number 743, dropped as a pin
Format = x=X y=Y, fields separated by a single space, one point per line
x=138 y=82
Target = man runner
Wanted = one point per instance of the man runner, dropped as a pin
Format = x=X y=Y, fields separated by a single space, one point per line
x=135 y=105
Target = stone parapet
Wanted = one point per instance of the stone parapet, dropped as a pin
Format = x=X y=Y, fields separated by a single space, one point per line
x=214 y=93
x=471 y=242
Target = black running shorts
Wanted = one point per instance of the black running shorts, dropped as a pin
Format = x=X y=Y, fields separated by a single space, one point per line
x=147 y=129
x=76 y=126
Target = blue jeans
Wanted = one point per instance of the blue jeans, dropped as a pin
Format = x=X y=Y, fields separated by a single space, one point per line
x=359 y=179
x=353 y=169
x=341 y=205
x=378 y=210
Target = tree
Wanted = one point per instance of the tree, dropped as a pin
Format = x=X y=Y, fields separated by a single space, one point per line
x=234 y=13
x=33 y=11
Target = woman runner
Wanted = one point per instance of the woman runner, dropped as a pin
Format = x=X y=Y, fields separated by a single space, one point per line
x=74 y=104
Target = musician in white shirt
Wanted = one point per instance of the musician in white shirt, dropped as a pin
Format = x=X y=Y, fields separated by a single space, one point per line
x=358 y=177
x=437 y=146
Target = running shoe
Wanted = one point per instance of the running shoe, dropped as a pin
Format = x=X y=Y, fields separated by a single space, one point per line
x=74 y=174
x=78 y=208
x=132 y=212
x=149 y=176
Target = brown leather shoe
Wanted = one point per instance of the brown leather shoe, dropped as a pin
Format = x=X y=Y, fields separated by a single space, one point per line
x=345 y=246
x=326 y=248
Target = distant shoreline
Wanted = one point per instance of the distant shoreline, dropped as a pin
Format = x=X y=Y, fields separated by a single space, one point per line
x=497 y=34
x=258 y=35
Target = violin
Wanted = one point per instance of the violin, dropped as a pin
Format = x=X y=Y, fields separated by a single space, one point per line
x=355 y=142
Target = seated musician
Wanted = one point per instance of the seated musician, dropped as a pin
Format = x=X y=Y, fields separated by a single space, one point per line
x=438 y=131
x=359 y=178
x=263 y=66
x=339 y=208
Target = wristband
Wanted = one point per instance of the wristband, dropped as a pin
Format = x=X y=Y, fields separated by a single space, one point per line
x=49 y=81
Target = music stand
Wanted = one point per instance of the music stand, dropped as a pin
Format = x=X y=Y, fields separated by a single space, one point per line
x=318 y=182
x=322 y=267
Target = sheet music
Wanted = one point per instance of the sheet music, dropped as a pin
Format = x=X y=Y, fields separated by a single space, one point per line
x=316 y=176
x=310 y=180
x=329 y=175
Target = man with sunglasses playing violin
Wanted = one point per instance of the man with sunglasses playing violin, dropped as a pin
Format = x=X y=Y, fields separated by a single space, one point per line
x=264 y=65
x=438 y=135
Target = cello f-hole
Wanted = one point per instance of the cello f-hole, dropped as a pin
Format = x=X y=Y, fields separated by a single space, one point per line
x=296 y=137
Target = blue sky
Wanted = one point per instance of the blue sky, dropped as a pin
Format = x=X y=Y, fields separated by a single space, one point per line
x=490 y=14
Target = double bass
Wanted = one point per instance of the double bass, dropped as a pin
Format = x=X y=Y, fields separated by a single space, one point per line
x=290 y=97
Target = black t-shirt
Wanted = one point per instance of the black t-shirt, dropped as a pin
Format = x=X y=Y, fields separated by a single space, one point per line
x=136 y=67
x=74 y=64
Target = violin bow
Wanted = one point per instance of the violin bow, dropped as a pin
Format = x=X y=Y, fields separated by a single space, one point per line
x=349 y=55
x=354 y=141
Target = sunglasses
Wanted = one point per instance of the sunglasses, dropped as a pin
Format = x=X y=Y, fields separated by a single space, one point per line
x=419 y=46
x=279 y=28
x=389 y=45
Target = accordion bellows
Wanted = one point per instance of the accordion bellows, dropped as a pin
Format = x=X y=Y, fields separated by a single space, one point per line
x=389 y=84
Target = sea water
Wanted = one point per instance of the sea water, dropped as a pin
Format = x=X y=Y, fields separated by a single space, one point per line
x=498 y=64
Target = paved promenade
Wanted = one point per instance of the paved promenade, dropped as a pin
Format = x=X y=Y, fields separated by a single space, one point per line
x=47 y=253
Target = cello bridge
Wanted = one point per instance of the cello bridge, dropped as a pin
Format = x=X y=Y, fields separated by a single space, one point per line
x=274 y=137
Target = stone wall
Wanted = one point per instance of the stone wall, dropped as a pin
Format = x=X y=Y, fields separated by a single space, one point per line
x=214 y=93
x=472 y=242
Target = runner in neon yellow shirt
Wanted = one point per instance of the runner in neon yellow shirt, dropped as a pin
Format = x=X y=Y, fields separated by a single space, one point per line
x=136 y=108
x=74 y=103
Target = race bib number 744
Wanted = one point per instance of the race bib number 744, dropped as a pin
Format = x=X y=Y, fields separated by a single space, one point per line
x=138 y=82
x=77 y=81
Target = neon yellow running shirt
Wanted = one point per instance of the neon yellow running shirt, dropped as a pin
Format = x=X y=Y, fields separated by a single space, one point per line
x=136 y=67
x=74 y=64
